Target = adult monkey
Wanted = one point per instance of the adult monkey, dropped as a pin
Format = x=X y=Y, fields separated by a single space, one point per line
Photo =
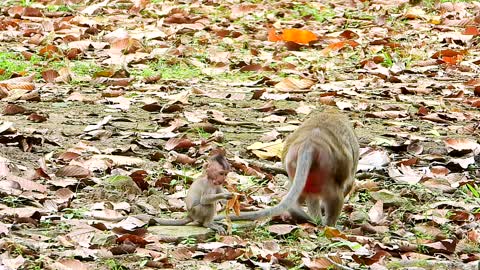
x=321 y=159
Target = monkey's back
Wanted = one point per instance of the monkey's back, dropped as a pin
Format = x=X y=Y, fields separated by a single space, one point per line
x=333 y=134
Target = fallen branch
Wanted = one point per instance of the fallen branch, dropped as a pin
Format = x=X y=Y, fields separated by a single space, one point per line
x=266 y=166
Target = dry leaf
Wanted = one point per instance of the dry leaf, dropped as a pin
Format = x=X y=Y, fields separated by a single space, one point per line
x=294 y=85
x=267 y=150
x=73 y=171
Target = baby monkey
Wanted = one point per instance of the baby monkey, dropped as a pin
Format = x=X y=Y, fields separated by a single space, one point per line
x=321 y=159
x=203 y=194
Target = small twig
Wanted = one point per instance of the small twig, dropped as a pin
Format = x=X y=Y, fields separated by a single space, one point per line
x=367 y=175
x=337 y=264
x=232 y=123
x=253 y=191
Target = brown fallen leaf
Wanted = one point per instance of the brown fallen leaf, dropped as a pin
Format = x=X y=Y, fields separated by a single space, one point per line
x=375 y=214
x=123 y=249
x=293 y=85
x=234 y=204
x=180 y=158
x=73 y=171
x=37 y=118
x=178 y=143
x=69 y=264
x=281 y=229
x=12 y=109
x=461 y=144
x=133 y=239
x=50 y=75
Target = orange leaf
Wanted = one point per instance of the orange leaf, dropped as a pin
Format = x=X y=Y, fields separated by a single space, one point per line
x=448 y=53
x=234 y=204
x=338 y=46
x=298 y=36
x=134 y=239
x=348 y=34
x=49 y=51
x=352 y=43
x=471 y=30
x=453 y=60
x=331 y=232
x=476 y=104
x=272 y=36
x=231 y=202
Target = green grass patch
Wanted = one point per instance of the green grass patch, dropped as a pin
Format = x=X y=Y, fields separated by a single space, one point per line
x=169 y=71
x=61 y=8
x=13 y=63
x=85 y=68
x=305 y=10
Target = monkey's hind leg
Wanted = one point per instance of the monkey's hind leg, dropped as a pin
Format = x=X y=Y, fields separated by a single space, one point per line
x=333 y=204
x=216 y=227
x=204 y=215
x=314 y=208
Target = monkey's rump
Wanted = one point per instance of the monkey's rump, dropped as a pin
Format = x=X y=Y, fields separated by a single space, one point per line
x=336 y=151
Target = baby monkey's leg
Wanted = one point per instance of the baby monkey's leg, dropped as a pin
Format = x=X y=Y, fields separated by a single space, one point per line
x=204 y=214
x=216 y=227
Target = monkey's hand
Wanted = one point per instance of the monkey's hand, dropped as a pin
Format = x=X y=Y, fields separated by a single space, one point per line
x=227 y=195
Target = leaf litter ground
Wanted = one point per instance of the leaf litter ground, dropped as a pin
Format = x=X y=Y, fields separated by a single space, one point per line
x=110 y=108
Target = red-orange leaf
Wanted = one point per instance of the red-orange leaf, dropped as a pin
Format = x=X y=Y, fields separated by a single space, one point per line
x=298 y=36
x=452 y=60
x=471 y=30
x=448 y=53
x=338 y=46
x=134 y=239
x=272 y=36
x=49 y=51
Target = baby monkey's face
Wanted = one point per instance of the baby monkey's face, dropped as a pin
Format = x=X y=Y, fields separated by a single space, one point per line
x=216 y=173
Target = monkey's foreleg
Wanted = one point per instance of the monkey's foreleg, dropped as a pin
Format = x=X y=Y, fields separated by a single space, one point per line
x=213 y=198
x=333 y=204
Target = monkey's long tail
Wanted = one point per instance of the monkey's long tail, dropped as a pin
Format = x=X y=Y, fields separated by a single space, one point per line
x=171 y=222
x=304 y=162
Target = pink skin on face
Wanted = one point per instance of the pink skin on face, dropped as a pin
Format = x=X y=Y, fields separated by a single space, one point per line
x=216 y=174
